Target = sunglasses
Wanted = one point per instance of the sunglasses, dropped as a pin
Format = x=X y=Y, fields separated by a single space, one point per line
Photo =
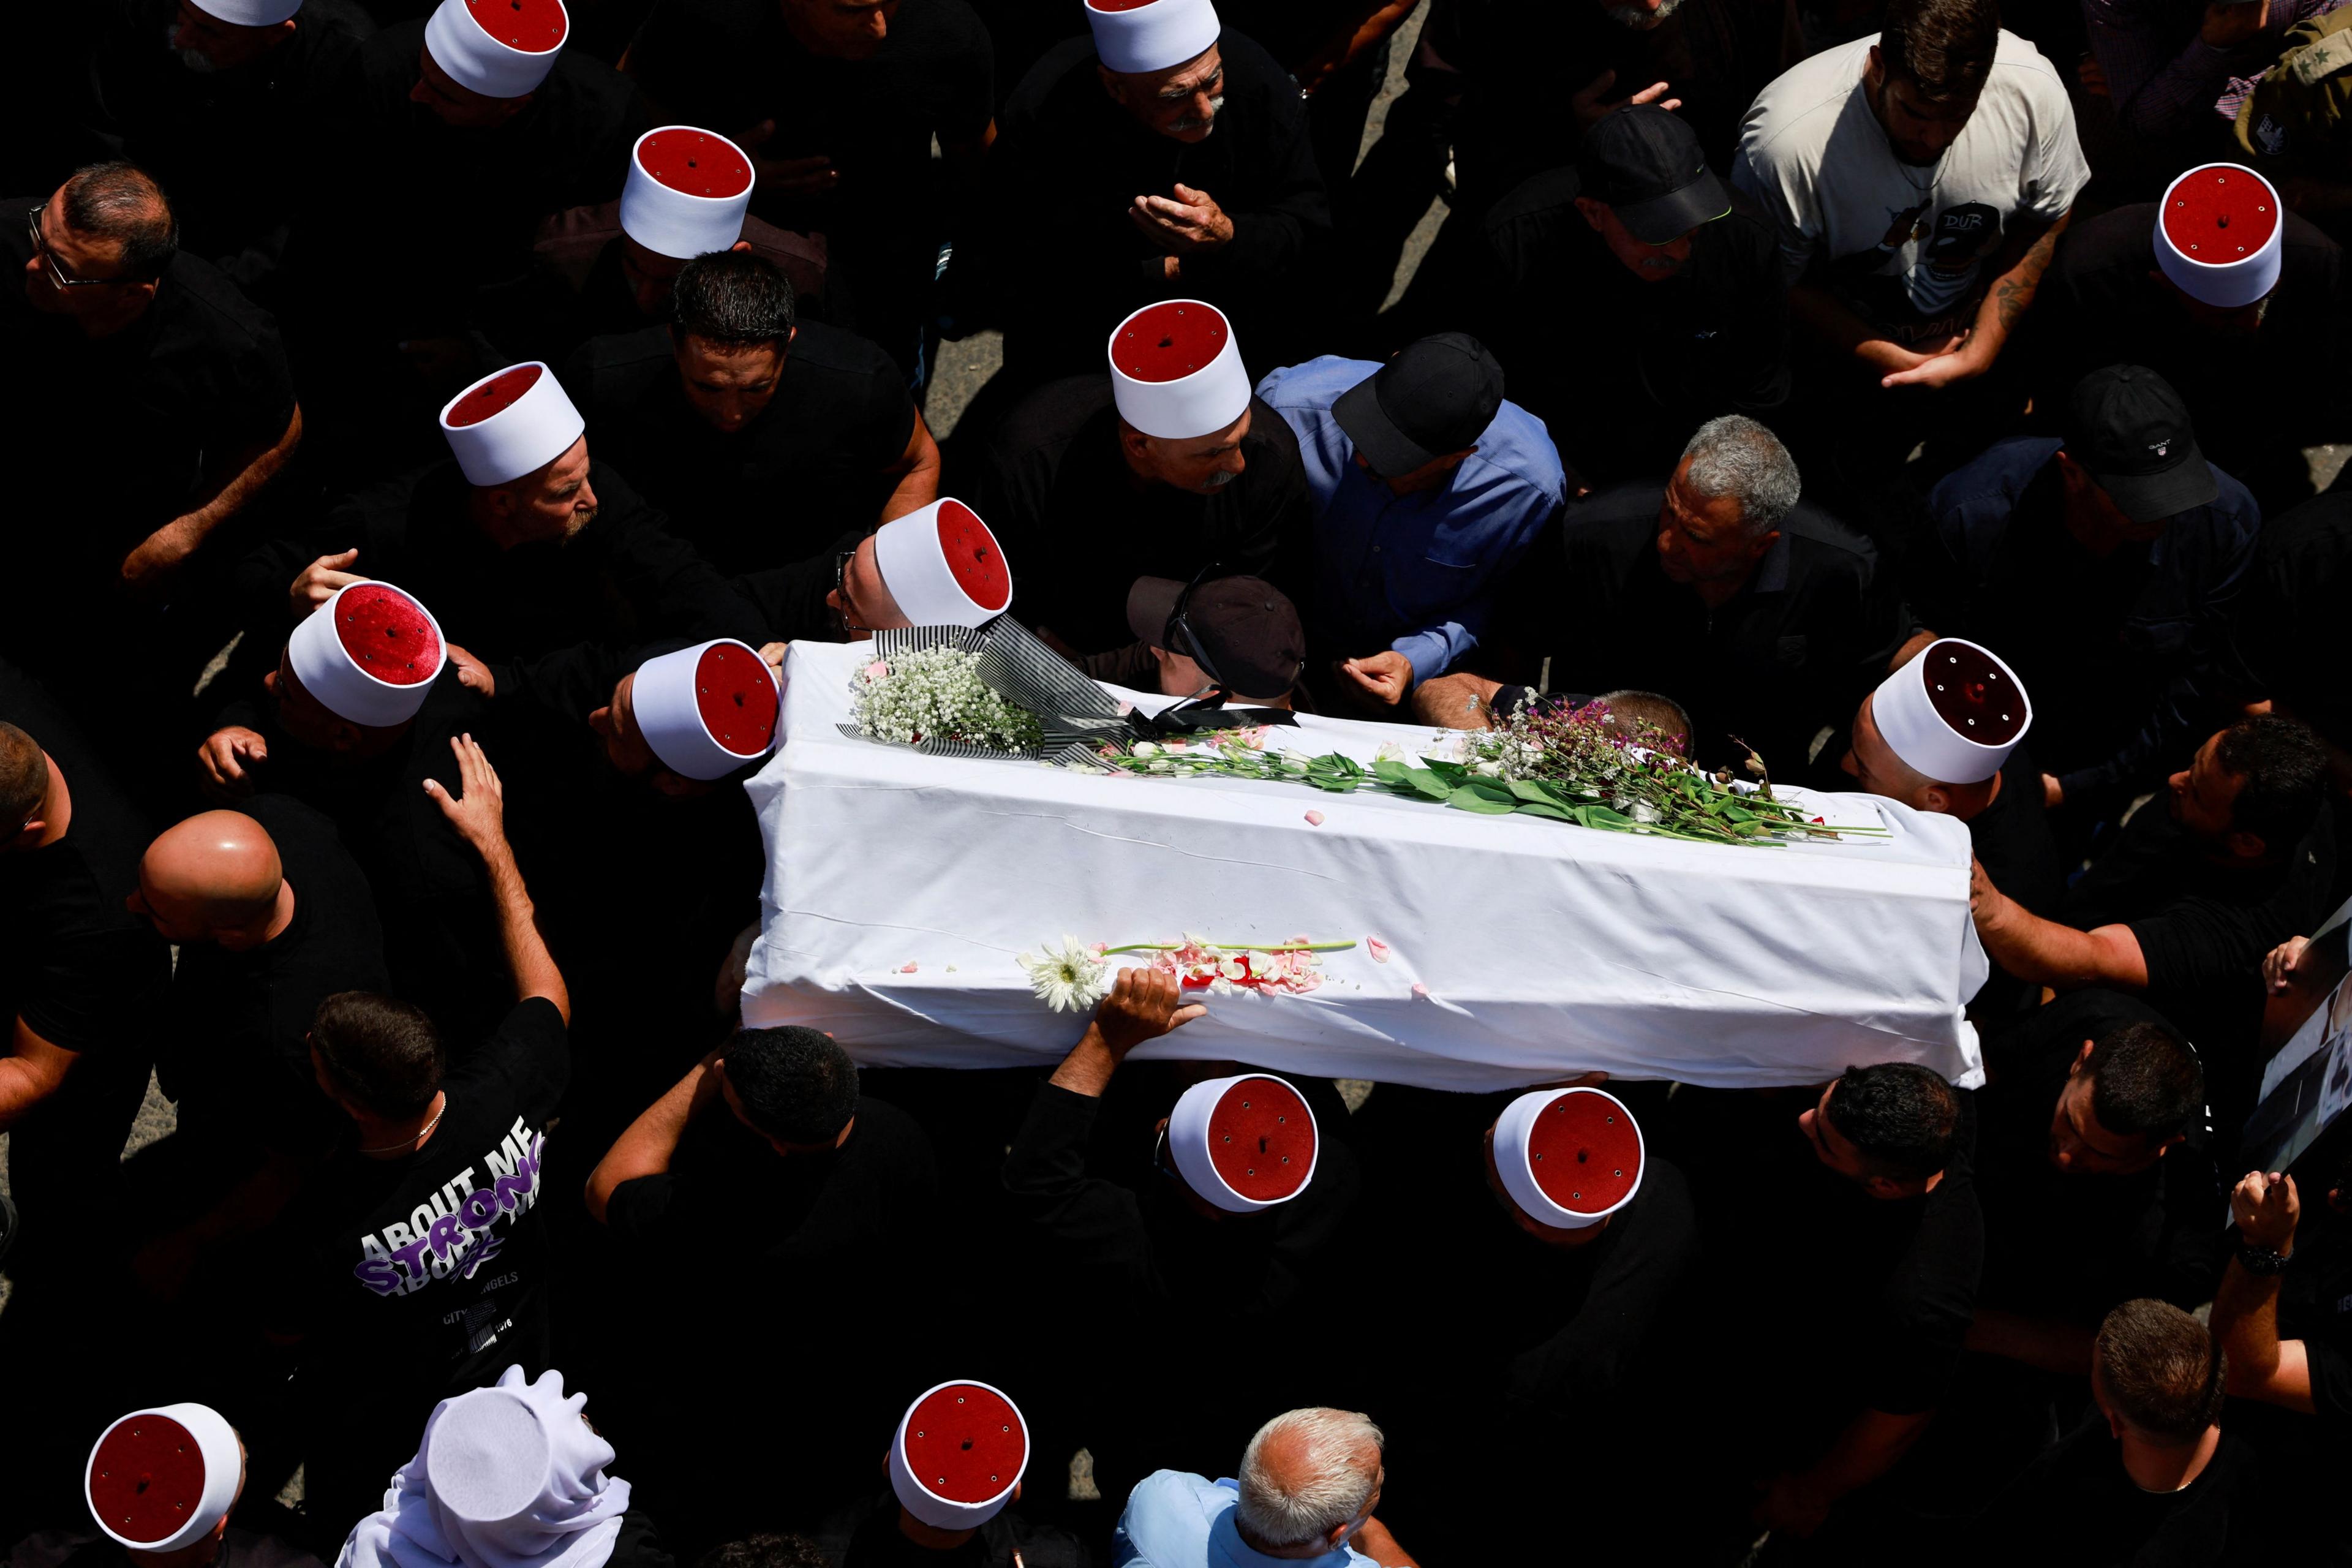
x=58 y=275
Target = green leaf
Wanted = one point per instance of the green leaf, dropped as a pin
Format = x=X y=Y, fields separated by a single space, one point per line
x=1529 y=791
x=1428 y=783
x=1607 y=816
x=1546 y=808
x=1389 y=771
x=1470 y=798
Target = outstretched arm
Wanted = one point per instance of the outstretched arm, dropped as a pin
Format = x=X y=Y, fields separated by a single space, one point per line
x=479 y=817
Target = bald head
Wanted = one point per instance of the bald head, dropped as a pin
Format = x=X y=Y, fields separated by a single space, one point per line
x=1308 y=1477
x=23 y=778
x=215 y=877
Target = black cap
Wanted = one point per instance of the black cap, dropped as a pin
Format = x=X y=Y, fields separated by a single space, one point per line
x=1248 y=629
x=2130 y=429
x=1644 y=164
x=1436 y=396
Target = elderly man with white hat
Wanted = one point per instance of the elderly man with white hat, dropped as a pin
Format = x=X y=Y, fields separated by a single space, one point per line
x=1235 y=1213
x=2228 y=294
x=1168 y=437
x=1164 y=155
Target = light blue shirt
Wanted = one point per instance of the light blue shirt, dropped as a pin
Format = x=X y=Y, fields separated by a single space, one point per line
x=1417 y=573
x=1176 y=1519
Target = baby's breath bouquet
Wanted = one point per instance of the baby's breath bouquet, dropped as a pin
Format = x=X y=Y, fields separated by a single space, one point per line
x=936 y=695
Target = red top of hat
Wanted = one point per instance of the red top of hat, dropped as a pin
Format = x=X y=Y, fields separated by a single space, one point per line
x=2220 y=215
x=965 y=1443
x=1118 y=5
x=1585 y=1153
x=695 y=162
x=1170 y=341
x=1971 y=693
x=147 y=1478
x=1261 y=1139
x=494 y=396
x=387 y=633
x=737 y=697
x=534 y=27
x=973 y=556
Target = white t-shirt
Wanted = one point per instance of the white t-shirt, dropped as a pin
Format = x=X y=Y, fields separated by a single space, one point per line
x=1905 y=248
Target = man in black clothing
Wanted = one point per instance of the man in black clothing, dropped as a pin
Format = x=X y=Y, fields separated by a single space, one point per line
x=1628 y=299
x=2108 y=303
x=2152 y=1479
x=81 y=978
x=1192 y=1276
x=2288 y=621
x=761 y=436
x=418 y=1245
x=204 y=98
x=838 y=102
x=155 y=373
x=765 y=1177
x=1063 y=464
x=1763 y=617
x=2103 y=567
x=1189 y=179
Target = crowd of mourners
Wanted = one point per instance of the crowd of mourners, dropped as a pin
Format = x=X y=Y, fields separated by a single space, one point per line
x=434 y=421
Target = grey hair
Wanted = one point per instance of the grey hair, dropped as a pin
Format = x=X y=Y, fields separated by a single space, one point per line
x=1735 y=456
x=1333 y=1483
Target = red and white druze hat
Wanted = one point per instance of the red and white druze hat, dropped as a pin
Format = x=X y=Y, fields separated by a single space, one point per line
x=686 y=193
x=1138 y=35
x=943 y=566
x=1176 y=370
x=500 y=48
x=1954 y=713
x=2219 y=232
x=161 y=1479
x=509 y=422
x=248 y=13
x=960 y=1452
x=1568 y=1157
x=370 y=654
x=705 y=711
x=1244 y=1143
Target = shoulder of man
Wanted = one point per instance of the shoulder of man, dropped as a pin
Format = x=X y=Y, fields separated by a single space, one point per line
x=1062 y=83
x=1790 y=123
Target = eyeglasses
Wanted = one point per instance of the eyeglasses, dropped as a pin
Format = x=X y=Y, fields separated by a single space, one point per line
x=57 y=274
x=840 y=604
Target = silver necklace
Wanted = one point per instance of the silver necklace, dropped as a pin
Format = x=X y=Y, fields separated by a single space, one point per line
x=417 y=1137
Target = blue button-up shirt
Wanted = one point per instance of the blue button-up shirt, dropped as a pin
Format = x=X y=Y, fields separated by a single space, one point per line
x=1176 y=1519
x=1417 y=573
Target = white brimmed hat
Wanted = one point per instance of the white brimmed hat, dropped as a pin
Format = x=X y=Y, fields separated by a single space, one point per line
x=370 y=654
x=161 y=1479
x=500 y=48
x=1176 y=370
x=1138 y=35
x=705 y=711
x=1954 y=713
x=248 y=13
x=509 y=422
x=686 y=193
x=1244 y=1143
x=2220 y=234
x=943 y=566
x=960 y=1452
x=1568 y=1157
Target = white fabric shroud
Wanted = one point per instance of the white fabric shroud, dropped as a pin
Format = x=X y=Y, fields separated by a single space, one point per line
x=573 y=1525
x=1544 y=949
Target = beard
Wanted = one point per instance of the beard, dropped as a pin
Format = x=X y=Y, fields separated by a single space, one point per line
x=1218 y=480
x=1640 y=18
x=195 y=60
x=1216 y=106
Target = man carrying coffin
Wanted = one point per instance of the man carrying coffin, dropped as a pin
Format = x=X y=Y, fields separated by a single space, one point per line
x=939 y=565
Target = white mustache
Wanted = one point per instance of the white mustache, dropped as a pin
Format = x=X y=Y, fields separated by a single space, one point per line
x=1216 y=106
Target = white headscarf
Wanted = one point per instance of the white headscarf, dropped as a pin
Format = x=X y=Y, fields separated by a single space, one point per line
x=571 y=1524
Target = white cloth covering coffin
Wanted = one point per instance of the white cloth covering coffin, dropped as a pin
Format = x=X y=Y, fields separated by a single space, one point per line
x=1545 y=949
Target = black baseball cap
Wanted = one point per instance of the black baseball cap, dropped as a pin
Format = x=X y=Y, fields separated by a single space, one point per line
x=1643 y=163
x=1247 y=627
x=1436 y=396
x=2131 y=430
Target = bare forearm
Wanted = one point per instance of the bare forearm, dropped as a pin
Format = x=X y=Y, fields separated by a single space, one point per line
x=234 y=491
x=2012 y=294
x=533 y=967
x=918 y=475
x=648 y=1144
x=2044 y=952
x=1819 y=312
x=1352 y=40
x=2044 y=1342
x=1867 y=1448
x=1375 y=1542
x=30 y=1073
x=2245 y=1314
x=1088 y=1068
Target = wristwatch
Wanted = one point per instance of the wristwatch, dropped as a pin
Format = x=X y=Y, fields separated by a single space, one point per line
x=2261 y=1260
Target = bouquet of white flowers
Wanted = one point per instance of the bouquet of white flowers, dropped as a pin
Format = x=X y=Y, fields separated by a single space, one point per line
x=931 y=697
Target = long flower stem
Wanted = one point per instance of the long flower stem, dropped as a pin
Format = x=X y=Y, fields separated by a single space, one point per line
x=1233 y=947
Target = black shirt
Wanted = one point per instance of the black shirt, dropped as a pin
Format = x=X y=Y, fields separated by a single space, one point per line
x=1555 y=305
x=878 y=1543
x=2288 y=619
x=806 y=467
x=238 y=1055
x=733 y=66
x=1066 y=263
x=2013 y=838
x=2077 y=1504
x=2108 y=305
x=80 y=969
x=1079 y=528
x=435 y=1263
x=2073 y=1244
x=1795 y=649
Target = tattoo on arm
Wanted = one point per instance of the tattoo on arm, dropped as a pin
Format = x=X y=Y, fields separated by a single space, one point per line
x=2015 y=292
